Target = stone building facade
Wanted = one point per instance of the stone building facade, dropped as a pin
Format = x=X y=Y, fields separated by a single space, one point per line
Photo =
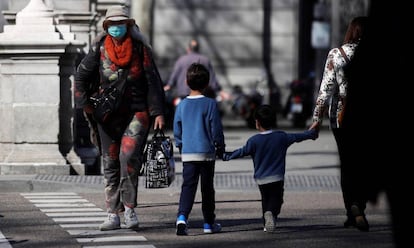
x=231 y=33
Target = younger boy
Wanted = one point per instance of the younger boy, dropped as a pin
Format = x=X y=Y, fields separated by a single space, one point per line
x=198 y=134
x=268 y=151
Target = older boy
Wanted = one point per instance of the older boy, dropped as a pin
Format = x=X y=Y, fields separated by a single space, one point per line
x=198 y=134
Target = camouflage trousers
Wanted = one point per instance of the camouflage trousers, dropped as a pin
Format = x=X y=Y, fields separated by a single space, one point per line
x=122 y=143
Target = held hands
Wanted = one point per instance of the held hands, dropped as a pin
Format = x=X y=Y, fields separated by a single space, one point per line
x=220 y=151
x=315 y=127
x=226 y=156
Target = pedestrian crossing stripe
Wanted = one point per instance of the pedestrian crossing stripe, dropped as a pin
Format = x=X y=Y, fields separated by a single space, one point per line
x=4 y=243
x=58 y=205
x=76 y=214
x=88 y=232
x=61 y=210
x=80 y=218
x=112 y=239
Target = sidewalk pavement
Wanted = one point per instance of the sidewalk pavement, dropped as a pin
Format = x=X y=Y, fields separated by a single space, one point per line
x=311 y=165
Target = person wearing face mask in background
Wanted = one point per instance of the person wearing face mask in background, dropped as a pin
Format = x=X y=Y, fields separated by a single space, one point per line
x=122 y=55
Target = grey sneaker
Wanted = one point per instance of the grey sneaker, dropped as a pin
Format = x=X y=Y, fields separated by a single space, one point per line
x=131 y=219
x=270 y=223
x=113 y=222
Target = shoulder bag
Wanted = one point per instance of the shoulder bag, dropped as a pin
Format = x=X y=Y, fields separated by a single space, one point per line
x=109 y=99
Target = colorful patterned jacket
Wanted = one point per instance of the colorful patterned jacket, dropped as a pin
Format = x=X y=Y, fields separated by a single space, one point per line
x=144 y=89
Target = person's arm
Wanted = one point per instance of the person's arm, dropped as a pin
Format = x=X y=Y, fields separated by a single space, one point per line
x=326 y=88
x=214 y=83
x=177 y=128
x=217 y=131
x=172 y=81
x=299 y=137
x=156 y=94
x=246 y=150
x=316 y=127
x=87 y=78
x=238 y=153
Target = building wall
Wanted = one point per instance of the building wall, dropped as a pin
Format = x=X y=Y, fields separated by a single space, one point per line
x=230 y=33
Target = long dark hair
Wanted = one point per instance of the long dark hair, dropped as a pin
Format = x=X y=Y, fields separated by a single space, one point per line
x=356 y=29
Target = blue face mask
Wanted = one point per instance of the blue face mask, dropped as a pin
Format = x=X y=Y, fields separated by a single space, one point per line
x=117 y=31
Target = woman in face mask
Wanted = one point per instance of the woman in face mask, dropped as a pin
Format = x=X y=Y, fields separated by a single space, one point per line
x=121 y=58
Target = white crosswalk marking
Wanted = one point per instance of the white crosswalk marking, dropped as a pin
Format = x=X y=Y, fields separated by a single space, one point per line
x=112 y=239
x=55 y=205
x=76 y=220
x=80 y=225
x=77 y=213
x=59 y=200
x=4 y=243
x=85 y=232
x=53 y=197
x=61 y=210
x=80 y=218
x=48 y=194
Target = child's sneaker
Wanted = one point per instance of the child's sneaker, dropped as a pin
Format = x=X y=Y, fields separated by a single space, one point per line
x=270 y=223
x=131 y=219
x=214 y=228
x=113 y=222
x=181 y=225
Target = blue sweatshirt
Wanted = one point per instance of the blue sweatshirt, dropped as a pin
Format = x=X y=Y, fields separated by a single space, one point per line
x=198 y=128
x=268 y=151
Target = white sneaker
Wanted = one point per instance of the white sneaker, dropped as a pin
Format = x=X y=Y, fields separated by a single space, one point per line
x=131 y=219
x=270 y=223
x=113 y=222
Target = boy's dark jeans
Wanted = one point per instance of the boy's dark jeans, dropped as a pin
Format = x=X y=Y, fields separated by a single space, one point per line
x=192 y=171
x=272 y=197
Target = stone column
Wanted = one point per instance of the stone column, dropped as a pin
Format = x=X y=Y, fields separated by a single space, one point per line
x=35 y=94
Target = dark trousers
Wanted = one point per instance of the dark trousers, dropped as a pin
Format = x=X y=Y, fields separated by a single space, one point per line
x=272 y=197
x=352 y=173
x=192 y=171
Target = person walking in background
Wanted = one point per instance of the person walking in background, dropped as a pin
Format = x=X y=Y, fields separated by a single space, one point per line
x=333 y=88
x=268 y=151
x=176 y=88
x=119 y=56
x=177 y=81
x=198 y=134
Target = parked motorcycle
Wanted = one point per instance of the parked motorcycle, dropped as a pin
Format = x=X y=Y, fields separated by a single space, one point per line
x=244 y=104
x=298 y=108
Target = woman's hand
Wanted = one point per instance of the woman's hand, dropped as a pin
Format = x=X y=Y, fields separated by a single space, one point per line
x=315 y=125
x=159 y=122
x=88 y=109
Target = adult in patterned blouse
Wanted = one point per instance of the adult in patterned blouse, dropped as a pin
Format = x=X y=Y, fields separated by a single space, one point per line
x=122 y=53
x=332 y=95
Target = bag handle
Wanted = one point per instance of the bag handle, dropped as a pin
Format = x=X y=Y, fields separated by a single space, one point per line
x=344 y=54
x=159 y=132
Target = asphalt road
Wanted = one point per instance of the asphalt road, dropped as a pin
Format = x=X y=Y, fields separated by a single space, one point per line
x=64 y=211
